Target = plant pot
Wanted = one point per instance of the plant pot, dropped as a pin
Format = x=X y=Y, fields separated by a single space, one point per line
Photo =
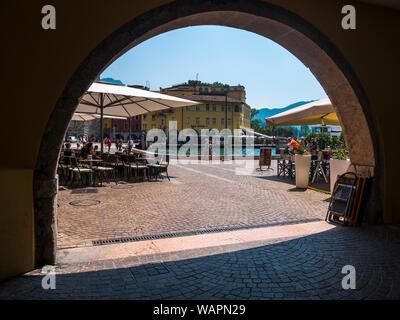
x=303 y=163
x=337 y=167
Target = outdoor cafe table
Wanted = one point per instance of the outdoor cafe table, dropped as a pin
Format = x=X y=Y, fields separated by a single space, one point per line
x=90 y=162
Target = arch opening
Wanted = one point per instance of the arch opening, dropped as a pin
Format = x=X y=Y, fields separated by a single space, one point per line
x=293 y=33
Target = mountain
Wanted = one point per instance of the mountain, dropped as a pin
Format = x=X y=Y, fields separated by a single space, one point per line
x=267 y=112
x=111 y=80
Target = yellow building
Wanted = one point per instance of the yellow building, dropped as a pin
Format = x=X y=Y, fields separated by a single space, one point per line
x=221 y=107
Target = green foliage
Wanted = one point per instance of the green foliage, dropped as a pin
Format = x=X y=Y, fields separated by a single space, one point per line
x=340 y=154
x=342 y=142
x=215 y=84
x=301 y=150
x=312 y=135
x=335 y=142
x=324 y=140
x=256 y=125
x=304 y=131
x=219 y=84
x=254 y=112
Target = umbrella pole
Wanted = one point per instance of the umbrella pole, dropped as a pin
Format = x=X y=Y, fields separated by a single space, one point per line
x=101 y=123
x=130 y=129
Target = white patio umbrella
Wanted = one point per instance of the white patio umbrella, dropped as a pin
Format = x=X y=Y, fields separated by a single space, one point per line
x=317 y=112
x=106 y=99
x=88 y=116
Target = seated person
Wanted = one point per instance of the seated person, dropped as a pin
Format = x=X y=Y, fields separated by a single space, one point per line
x=68 y=150
x=313 y=149
x=86 y=150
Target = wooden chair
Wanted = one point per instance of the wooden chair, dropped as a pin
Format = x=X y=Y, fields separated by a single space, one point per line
x=77 y=171
x=319 y=169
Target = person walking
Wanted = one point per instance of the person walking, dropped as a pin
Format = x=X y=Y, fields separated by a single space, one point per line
x=130 y=145
x=108 y=143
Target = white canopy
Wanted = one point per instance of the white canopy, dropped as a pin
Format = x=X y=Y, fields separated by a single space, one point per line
x=317 y=112
x=122 y=101
x=107 y=99
x=89 y=116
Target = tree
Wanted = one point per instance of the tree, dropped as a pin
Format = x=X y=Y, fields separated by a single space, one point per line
x=256 y=125
x=254 y=112
x=304 y=131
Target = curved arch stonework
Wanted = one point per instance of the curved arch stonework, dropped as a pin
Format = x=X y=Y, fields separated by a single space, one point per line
x=287 y=29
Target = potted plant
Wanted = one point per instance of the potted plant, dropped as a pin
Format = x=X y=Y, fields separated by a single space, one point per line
x=303 y=163
x=339 y=164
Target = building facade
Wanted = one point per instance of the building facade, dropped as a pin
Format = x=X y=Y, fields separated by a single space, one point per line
x=220 y=107
x=120 y=128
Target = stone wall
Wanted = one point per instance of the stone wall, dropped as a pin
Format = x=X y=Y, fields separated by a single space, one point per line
x=89 y=128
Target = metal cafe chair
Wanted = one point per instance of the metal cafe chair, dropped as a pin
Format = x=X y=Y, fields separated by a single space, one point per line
x=282 y=163
x=78 y=172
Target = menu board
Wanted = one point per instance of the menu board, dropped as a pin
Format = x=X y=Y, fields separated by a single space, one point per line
x=265 y=157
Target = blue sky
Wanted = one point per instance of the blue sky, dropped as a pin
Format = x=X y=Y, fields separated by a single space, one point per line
x=273 y=77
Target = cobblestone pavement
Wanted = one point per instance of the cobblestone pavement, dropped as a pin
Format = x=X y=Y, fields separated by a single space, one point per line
x=307 y=267
x=198 y=197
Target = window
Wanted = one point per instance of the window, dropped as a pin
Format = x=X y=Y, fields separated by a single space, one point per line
x=222 y=121
x=126 y=126
x=187 y=108
x=236 y=108
x=198 y=121
x=162 y=121
x=229 y=121
x=214 y=120
x=136 y=126
x=137 y=118
x=229 y=107
x=198 y=107
x=207 y=121
x=187 y=120
x=206 y=89
x=145 y=127
x=214 y=107
x=222 y=108
x=153 y=117
x=207 y=107
x=145 y=117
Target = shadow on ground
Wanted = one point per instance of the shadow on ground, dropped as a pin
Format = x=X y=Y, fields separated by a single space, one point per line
x=302 y=268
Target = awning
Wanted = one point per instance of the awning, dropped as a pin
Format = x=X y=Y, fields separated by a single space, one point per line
x=122 y=101
x=105 y=99
x=317 y=112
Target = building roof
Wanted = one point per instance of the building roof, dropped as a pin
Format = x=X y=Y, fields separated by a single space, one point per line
x=208 y=98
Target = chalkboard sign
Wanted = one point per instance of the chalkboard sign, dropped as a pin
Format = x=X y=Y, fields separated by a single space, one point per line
x=265 y=157
x=341 y=203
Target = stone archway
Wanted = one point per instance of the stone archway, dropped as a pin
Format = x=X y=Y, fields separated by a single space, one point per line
x=295 y=34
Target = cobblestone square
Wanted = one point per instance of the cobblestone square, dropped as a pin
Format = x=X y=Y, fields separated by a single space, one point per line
x=272 y=243
x=198 y=197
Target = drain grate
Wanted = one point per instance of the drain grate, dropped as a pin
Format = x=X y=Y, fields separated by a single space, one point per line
x=195 y=232
x=85 y=203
